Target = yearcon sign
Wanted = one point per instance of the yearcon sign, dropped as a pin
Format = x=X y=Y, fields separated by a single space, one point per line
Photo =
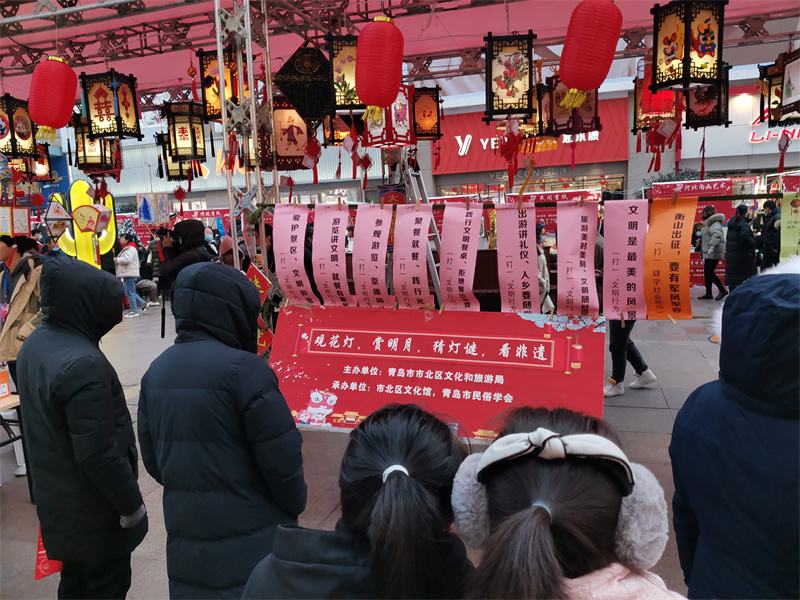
x=338 y=365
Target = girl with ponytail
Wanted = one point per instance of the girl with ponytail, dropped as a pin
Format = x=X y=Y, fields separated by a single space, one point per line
x=393 y=539
x=560 y=512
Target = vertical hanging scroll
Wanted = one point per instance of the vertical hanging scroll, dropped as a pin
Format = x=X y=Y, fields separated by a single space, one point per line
x=330 y=272
x=370 y=243
x=410 y=272
x=459 y=254
x=623 y=271
x=289 y=233
x=517 y=258
x=577 y=232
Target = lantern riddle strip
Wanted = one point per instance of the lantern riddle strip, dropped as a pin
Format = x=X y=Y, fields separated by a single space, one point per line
x=52 y=96
x=379 y=70
x=592 y=35
x=509 y=62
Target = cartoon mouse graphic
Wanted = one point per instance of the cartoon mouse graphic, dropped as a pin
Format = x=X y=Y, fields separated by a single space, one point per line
x=319 y=407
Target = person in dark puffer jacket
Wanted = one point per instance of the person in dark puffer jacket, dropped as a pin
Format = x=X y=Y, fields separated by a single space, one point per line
x=216 y=432
x=734 y=451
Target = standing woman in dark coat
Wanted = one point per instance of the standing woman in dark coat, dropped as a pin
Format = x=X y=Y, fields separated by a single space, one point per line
x=394 y=539
x=216 y=432
x=740 y=264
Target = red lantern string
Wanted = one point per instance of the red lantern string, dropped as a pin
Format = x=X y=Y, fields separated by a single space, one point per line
x=313 y=153
x=639 y=141
x=52 y=96
x=573 y=145
x=191 y=71
x=379 y=68
x=678 y=148
x=783 y=146
x=233 y=151
x=339 y=167
x=366 y=163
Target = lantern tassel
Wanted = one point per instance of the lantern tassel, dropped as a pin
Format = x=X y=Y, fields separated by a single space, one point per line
x=658 y=160
x=46 y=134
x=69 y=152
x=189 y=175
x=339 y=168
x=573 y=145
x=160 y=170
x=527 y=178
x=761 y=110
x=639 y=141
x=574 y=98
x=211 y=141
x=678 y=148
x=703 y=156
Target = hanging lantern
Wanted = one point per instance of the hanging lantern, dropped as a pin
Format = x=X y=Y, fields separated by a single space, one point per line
x=708 y=106
x=185 y=125
x=337 y=128
x=52 y=96
x=16 y=128
x=342 y=50
x=95 y=156
x=771 y=84
x=592 y=36
x=173 y=170
x=564 y=120
x=790 y=96
x=291 y=134
x=305 y=80
x=509 y=60
x=110 y=102
x=40 y=167
x=687 y=43
x=395 y=126
x=210 y=82
x=92 y=218
x=56 y=217
x=651 y=108
x=379 y=70
x=427 y=122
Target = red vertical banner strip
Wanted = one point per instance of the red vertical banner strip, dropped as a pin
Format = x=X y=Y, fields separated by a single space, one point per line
x=577 y=233
x=517 y=258
x=666 y=258
x=370 y=243
x=289 y=234
x=330 y=267
x=623 y=270
x=459 y=255
x=409 y=269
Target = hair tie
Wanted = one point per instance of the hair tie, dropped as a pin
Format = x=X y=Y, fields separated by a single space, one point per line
x=392 y=469
x=544 y=506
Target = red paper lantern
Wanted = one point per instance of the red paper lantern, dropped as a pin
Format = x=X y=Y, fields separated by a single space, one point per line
x=53 y=88
x=592 y=36
x=379 y=65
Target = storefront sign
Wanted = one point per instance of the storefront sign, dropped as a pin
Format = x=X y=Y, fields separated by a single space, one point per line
x=577 y=287
x=370 y=243
x=623 y=270
x=708 y=187
x=289 y=235
x=338 y=365
x=459 y=254
x=517 y=258
x=790 y=225
x=666 y=258
x=409 y=268
x=328 y=245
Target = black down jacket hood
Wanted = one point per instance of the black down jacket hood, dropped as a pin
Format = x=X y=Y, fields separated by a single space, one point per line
x=761 y=343
x=208 y=304
x=80 y=297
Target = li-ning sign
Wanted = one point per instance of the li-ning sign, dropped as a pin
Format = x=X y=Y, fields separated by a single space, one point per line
x=771 y=134
x=493 y=143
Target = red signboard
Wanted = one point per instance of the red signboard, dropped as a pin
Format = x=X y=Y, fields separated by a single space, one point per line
x=696 y=276
x=468 y=144
x=707 y=187
x=337 y=365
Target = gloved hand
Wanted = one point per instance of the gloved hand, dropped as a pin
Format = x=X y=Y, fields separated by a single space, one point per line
x=128 y=521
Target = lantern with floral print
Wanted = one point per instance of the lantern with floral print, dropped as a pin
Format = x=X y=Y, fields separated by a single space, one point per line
x=52 y=96
x=379 y=68
x=592 y=36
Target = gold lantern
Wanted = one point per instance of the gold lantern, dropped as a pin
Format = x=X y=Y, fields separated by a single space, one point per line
x=509 y=71
x=185 y=125
x=93 y=155
x=210 y=82
x=687 y=44
x=111 y=105
x=342 y=53
x=427 y=123
x=17 y=132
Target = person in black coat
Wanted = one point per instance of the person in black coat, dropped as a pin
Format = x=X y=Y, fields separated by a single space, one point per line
x=183 y=246
x=734 y=451
x=769 y=242
x=740 y=245
x=216 y=432
x=81 y=448
x=393 y=540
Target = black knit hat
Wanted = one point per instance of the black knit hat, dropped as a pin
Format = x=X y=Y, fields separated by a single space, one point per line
x=770 y=205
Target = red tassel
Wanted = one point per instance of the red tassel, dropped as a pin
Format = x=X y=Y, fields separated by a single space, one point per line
x=780 y=162
x=658 y=160
x=703 y=156
x=316 y=177
x=652 y=162
x=339 y=167
x=678 y=148
x=189 y=174
x=573 y=145
x=639 y=141
x=233 y=150
x=195 y=97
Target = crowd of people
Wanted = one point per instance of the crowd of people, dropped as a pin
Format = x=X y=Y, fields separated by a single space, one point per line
x=554 y=502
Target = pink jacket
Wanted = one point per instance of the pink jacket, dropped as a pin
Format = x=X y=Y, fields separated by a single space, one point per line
x=616 y=582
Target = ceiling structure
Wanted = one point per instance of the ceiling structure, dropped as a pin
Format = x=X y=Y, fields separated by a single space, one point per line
x=156 y=39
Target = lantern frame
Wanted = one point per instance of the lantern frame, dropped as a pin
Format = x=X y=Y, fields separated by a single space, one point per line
x=335 y=137
x=789 y=69
x=561 y=119
x=687 y=52
x=304 y=79
x=106 y=115
x=41 y=171
x=212 y=109
x=342 y=50
x=289 y=159
x=642 y=119
x=396 y=128
x=183 y=115
x=92 y=155
x=771 y=77
x=715 y=115
x=17 y=140
x=425 y=127
x=497 y=107
x=174 y=170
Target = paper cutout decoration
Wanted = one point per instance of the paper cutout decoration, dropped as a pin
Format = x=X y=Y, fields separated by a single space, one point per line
x=92 y=218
